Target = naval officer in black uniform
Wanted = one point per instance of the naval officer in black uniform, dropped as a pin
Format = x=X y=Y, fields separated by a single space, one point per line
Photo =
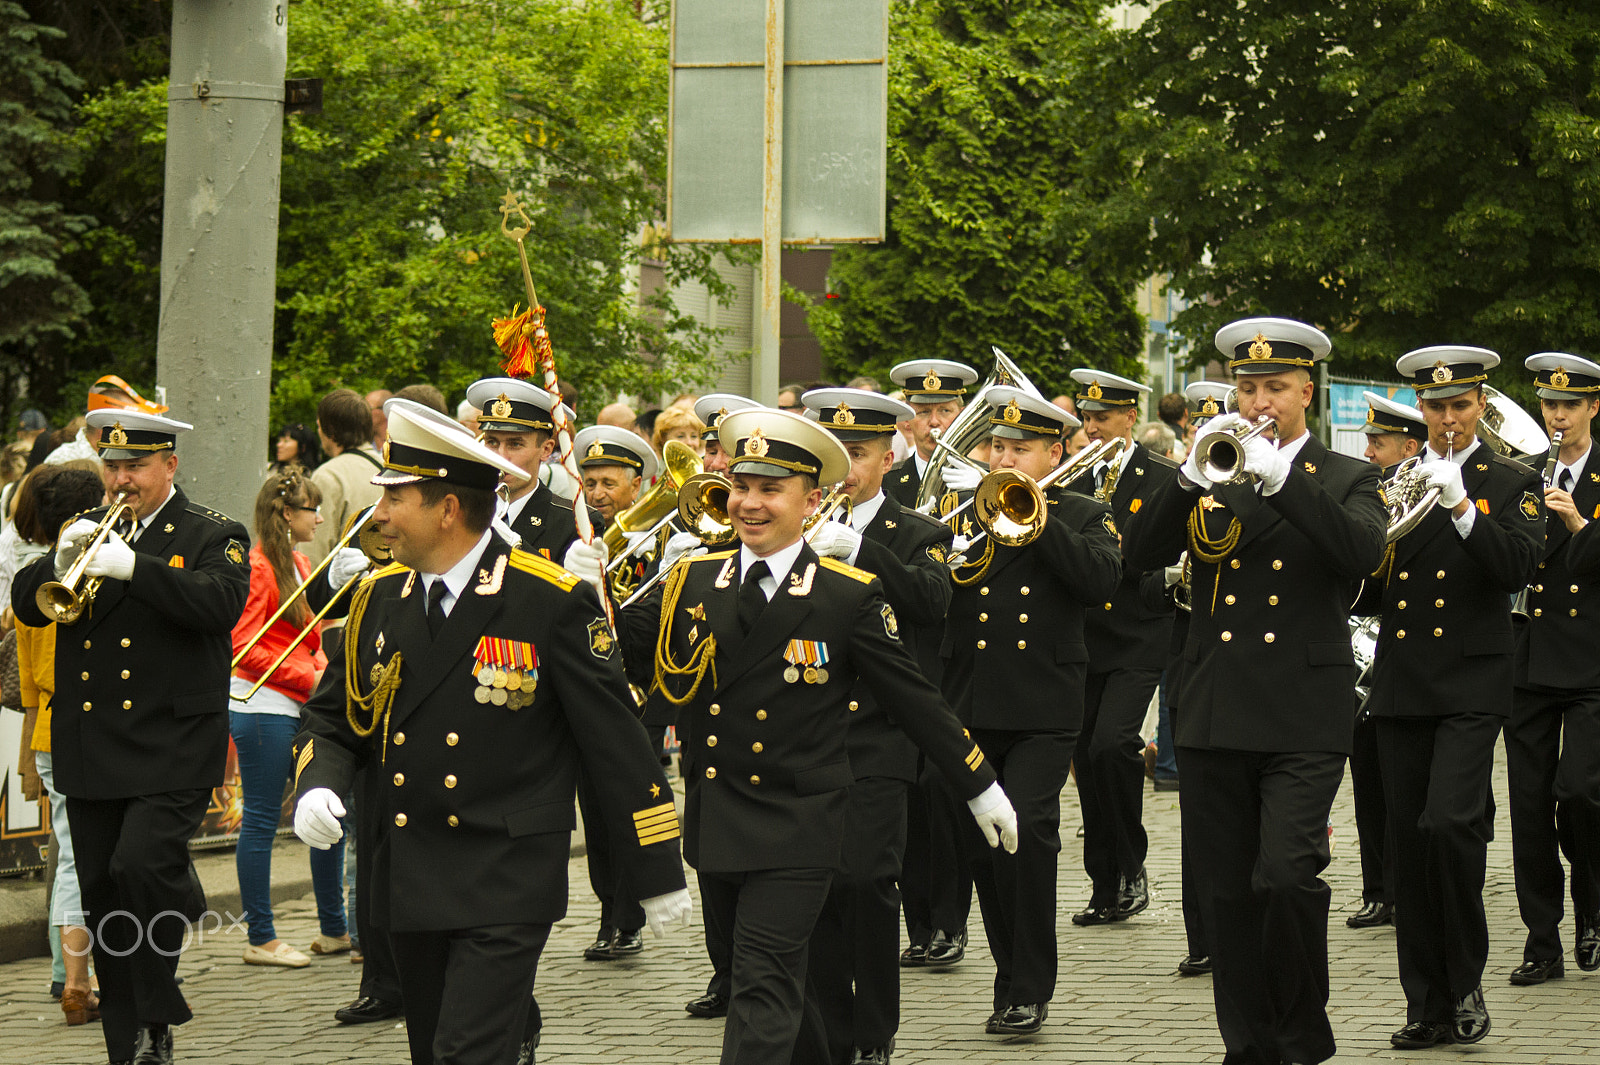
x=935 y=389
x=761 y=647
x=1441 y=689
x=1394 y=433
x=854 y=968
x=1015 y=662
x=1127 y=640
x=711 y=409
x=518 y=424
x=476 y=677
x=140 y=732
x=1553 y=736
x=1275 y=559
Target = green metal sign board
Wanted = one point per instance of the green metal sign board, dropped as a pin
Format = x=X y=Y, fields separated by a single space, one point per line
x=834 y=105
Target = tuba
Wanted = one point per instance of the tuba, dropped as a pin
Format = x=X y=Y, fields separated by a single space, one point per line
x=971 y=426
x=1509 y=429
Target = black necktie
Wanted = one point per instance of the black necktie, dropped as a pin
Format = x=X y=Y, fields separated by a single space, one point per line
x=436 y=607
x=1564 y=482
x=752 y=600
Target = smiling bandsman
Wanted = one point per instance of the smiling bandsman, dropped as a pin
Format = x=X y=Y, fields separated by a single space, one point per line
x=1441 y=689
x=762 y=647
x=475 y=678
x=1553 y=736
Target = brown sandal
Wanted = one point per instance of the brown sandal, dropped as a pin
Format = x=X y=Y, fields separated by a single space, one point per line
x=80 y=1006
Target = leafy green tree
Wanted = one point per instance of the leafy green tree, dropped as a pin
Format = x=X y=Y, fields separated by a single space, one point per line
x=1399 y=172
x=983 y=110
x=39 y=301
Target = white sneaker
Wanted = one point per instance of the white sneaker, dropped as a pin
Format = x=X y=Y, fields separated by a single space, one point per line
x=284 y=957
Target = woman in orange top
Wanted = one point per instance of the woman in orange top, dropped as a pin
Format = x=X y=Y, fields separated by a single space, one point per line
x=264 y=727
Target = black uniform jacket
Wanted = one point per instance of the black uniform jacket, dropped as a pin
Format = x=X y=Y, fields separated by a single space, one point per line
x=765 y=758
x=1014 y=639
x=478 y=798
x=1125 y=632
x=906 y=551
x=1557 y=647
x=141 y=702
x=546 y=526
x=902 y=482
x=1268 y=664
x=1445 y=645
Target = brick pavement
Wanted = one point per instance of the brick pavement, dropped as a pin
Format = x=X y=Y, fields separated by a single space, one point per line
x=1118 y=998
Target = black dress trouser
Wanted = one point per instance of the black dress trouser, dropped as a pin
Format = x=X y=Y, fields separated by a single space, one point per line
x=468 y=991
x=1372 y=819
x=1109 y=764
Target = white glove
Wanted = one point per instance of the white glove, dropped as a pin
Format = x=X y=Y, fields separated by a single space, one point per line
x=681 y=545
x=316 y=818
x=665 y=912
x=994 y=814
x=634 y=537
x=70 y=546
x=113 y=558
x=1191 y=467
x=588 y=560
x=960 y=477
x=1446 y=476
x=1173 y=575
x=958 y=546
x=347 y=562
x=836 y=540
x=1262 y=458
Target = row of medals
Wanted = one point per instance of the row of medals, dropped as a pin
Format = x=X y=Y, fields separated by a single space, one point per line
x=812 y=674
x=504 y=687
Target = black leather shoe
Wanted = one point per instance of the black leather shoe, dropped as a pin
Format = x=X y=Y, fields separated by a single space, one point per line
x=1195 y=965
x=627 y=943
x=366 y=1009
x=1472 y=1019
x=1537 y=972
x=707 y=1005
x=989 y=1025
x=1021 y=1020
x=1133 y=897
x=1419 y=1035
x=875 y=1056
x=1093 y=915
x=526 y=1052
x=946 y=950
x=600 y=949
x=1371 y=915
x=1588 y=952
x=914 y=957
x=152 y=1045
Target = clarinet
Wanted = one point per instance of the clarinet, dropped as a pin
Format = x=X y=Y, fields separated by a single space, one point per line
x=1519 y=602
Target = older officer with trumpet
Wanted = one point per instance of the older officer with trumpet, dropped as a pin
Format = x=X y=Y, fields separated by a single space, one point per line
x=1279 y=532
x=1553 y=736
x=1441 y=688
x=1015 y=661
x=761 y=647
x=145 y=595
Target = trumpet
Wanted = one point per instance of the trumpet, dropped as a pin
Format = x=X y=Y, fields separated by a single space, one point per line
x=1221 y=451
x=365 y=530
x=71 y=597
x=703 y=511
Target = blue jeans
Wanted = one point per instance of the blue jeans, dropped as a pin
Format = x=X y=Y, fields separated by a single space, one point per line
x=265 y=744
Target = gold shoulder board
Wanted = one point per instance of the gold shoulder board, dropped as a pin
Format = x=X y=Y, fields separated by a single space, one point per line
x=388 y=571
x=544 y=569
x=717 y=556
x=848 y=570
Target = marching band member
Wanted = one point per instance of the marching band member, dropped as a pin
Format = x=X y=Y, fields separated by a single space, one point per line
x=476 y=678
x=711 y=409
x=1441 y=687
x=1274 y=563
x=761 y=647
x=1553 y=736
x=1127 y=643
x=1015 y=662
x=854 y=964
x=934 y=388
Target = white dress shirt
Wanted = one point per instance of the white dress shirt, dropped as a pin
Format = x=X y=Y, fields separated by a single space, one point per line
x=457 y=577
x=779 y=563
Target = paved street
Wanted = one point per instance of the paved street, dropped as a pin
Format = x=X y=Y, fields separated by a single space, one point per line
x=1118 y=998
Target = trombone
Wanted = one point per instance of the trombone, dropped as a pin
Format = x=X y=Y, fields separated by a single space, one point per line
x=66 y=601
x=703 y=511
x=653 y=510
x=365 y=530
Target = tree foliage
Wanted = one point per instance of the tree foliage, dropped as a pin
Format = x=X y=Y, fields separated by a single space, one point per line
x=984 y=107
x=1399 y=172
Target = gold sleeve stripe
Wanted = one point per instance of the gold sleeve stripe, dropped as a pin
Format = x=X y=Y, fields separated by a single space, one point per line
x=656 y=822
x=655 y=812
x=303 y=761
x=661 y=836
x=975 y=759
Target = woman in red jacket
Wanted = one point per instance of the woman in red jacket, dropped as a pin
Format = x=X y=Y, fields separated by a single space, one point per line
x=265 y=726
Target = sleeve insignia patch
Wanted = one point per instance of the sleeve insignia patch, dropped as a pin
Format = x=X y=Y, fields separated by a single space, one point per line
x=891 y=624
x=1529 y=506
x=235 y=552
x=936 y=552
x=1111 y=526
x=601 y=642
x=1483 y=505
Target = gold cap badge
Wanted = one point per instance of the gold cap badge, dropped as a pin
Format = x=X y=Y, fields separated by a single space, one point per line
x=930 y=381
x=1209 y=407
x=1013 y=413
x=756 y=443
x=595 y=451
x=502 y=407
x=117 y=437
x=844 y=415
x=1442 y=374
x=1095 y=391
x=1259 y=348
x=1559 y=379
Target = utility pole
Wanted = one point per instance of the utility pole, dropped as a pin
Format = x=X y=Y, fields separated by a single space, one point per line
x=219 y=242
